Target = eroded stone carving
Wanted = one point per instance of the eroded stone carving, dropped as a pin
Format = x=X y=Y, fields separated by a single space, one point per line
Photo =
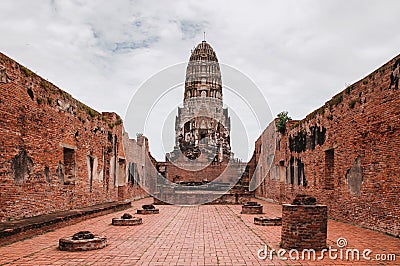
x=127 y=220
x=47 y=173
x=395 y=75
x=126 y=216
x=3 y=75
x=354 y=178
x=82 y=235
x=302 y=199
x=148 y=209
x=65 y=106
x=60 y=171
x=21 y=165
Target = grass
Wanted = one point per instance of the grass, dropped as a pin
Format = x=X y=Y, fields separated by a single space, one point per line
x=352 y=104
x=91 y=112
x=336 y=100
x=26 y=71
x=348 y=89
x=43 y=84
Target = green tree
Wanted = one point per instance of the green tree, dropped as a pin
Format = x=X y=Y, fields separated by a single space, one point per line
x=281 y=122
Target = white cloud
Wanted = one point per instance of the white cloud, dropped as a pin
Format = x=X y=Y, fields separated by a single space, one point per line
x=300 y=53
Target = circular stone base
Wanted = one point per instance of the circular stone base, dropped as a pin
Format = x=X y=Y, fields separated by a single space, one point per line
x=68 y=244
x=127 y=222
x=268 y=221
x=248 y=209
x=151 y=211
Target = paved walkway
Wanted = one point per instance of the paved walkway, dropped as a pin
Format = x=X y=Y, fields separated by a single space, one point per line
x=196 y=235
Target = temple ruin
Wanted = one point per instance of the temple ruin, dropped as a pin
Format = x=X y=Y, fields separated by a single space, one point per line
x=58 y=154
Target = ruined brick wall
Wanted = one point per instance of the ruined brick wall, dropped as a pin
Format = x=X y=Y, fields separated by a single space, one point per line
x=229 y=183
x=225 y=172
x=140 y=170
x=273 y=175
x=345 y=154
x=56 y=152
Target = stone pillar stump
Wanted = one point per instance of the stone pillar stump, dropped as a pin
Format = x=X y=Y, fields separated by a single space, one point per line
x=304 y=226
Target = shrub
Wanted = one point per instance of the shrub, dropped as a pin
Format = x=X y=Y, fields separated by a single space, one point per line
x=348 y=89
x=26 y=71
x=91 y=112
x=281 y=122
x=43 y=84
x=337 y=99
x=352 y=104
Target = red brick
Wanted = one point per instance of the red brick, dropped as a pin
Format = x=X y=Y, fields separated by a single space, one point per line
x=362 y=128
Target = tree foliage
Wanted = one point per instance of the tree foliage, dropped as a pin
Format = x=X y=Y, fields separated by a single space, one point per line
x=281 y=122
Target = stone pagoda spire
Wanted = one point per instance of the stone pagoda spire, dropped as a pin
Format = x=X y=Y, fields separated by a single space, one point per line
x=202 y=127
x=203 y=75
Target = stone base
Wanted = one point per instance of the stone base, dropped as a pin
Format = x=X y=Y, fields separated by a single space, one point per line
x=151 y=211
x=268 y=221
x=17 y=230
x=127 y=222
x=258 y=209
x=304 y=226
x=68 y=244
x=195 y=198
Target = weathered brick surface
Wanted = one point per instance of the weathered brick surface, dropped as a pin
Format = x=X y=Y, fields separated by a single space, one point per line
x=233 y=196
x=196 y=235
x=268 y=221
x=13 y=231
x=252 y=209
x=304 y=227
x=145 y=212
x=219 y=172
x=229 y=183
x=127 y=222
x=56 y=153
x=68 y=244
x=345 y=154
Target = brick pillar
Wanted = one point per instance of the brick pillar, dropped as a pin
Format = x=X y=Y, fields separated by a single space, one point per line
x=122 y=193
x=304 y=226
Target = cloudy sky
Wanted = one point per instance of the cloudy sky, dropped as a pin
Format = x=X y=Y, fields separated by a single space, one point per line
x=299 y=53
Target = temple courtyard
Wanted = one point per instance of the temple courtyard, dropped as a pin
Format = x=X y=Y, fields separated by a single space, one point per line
x=198 y=235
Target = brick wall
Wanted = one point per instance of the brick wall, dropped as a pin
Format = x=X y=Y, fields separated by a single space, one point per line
x=179 y=173
x=56 y=152
x=230 y=183
x=345 y=154
x=304 y=227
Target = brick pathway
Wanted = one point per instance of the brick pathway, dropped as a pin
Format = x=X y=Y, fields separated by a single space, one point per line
x=197 y=235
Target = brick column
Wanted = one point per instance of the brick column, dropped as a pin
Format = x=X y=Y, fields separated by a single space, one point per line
x=122 y=193
x=304 y=226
